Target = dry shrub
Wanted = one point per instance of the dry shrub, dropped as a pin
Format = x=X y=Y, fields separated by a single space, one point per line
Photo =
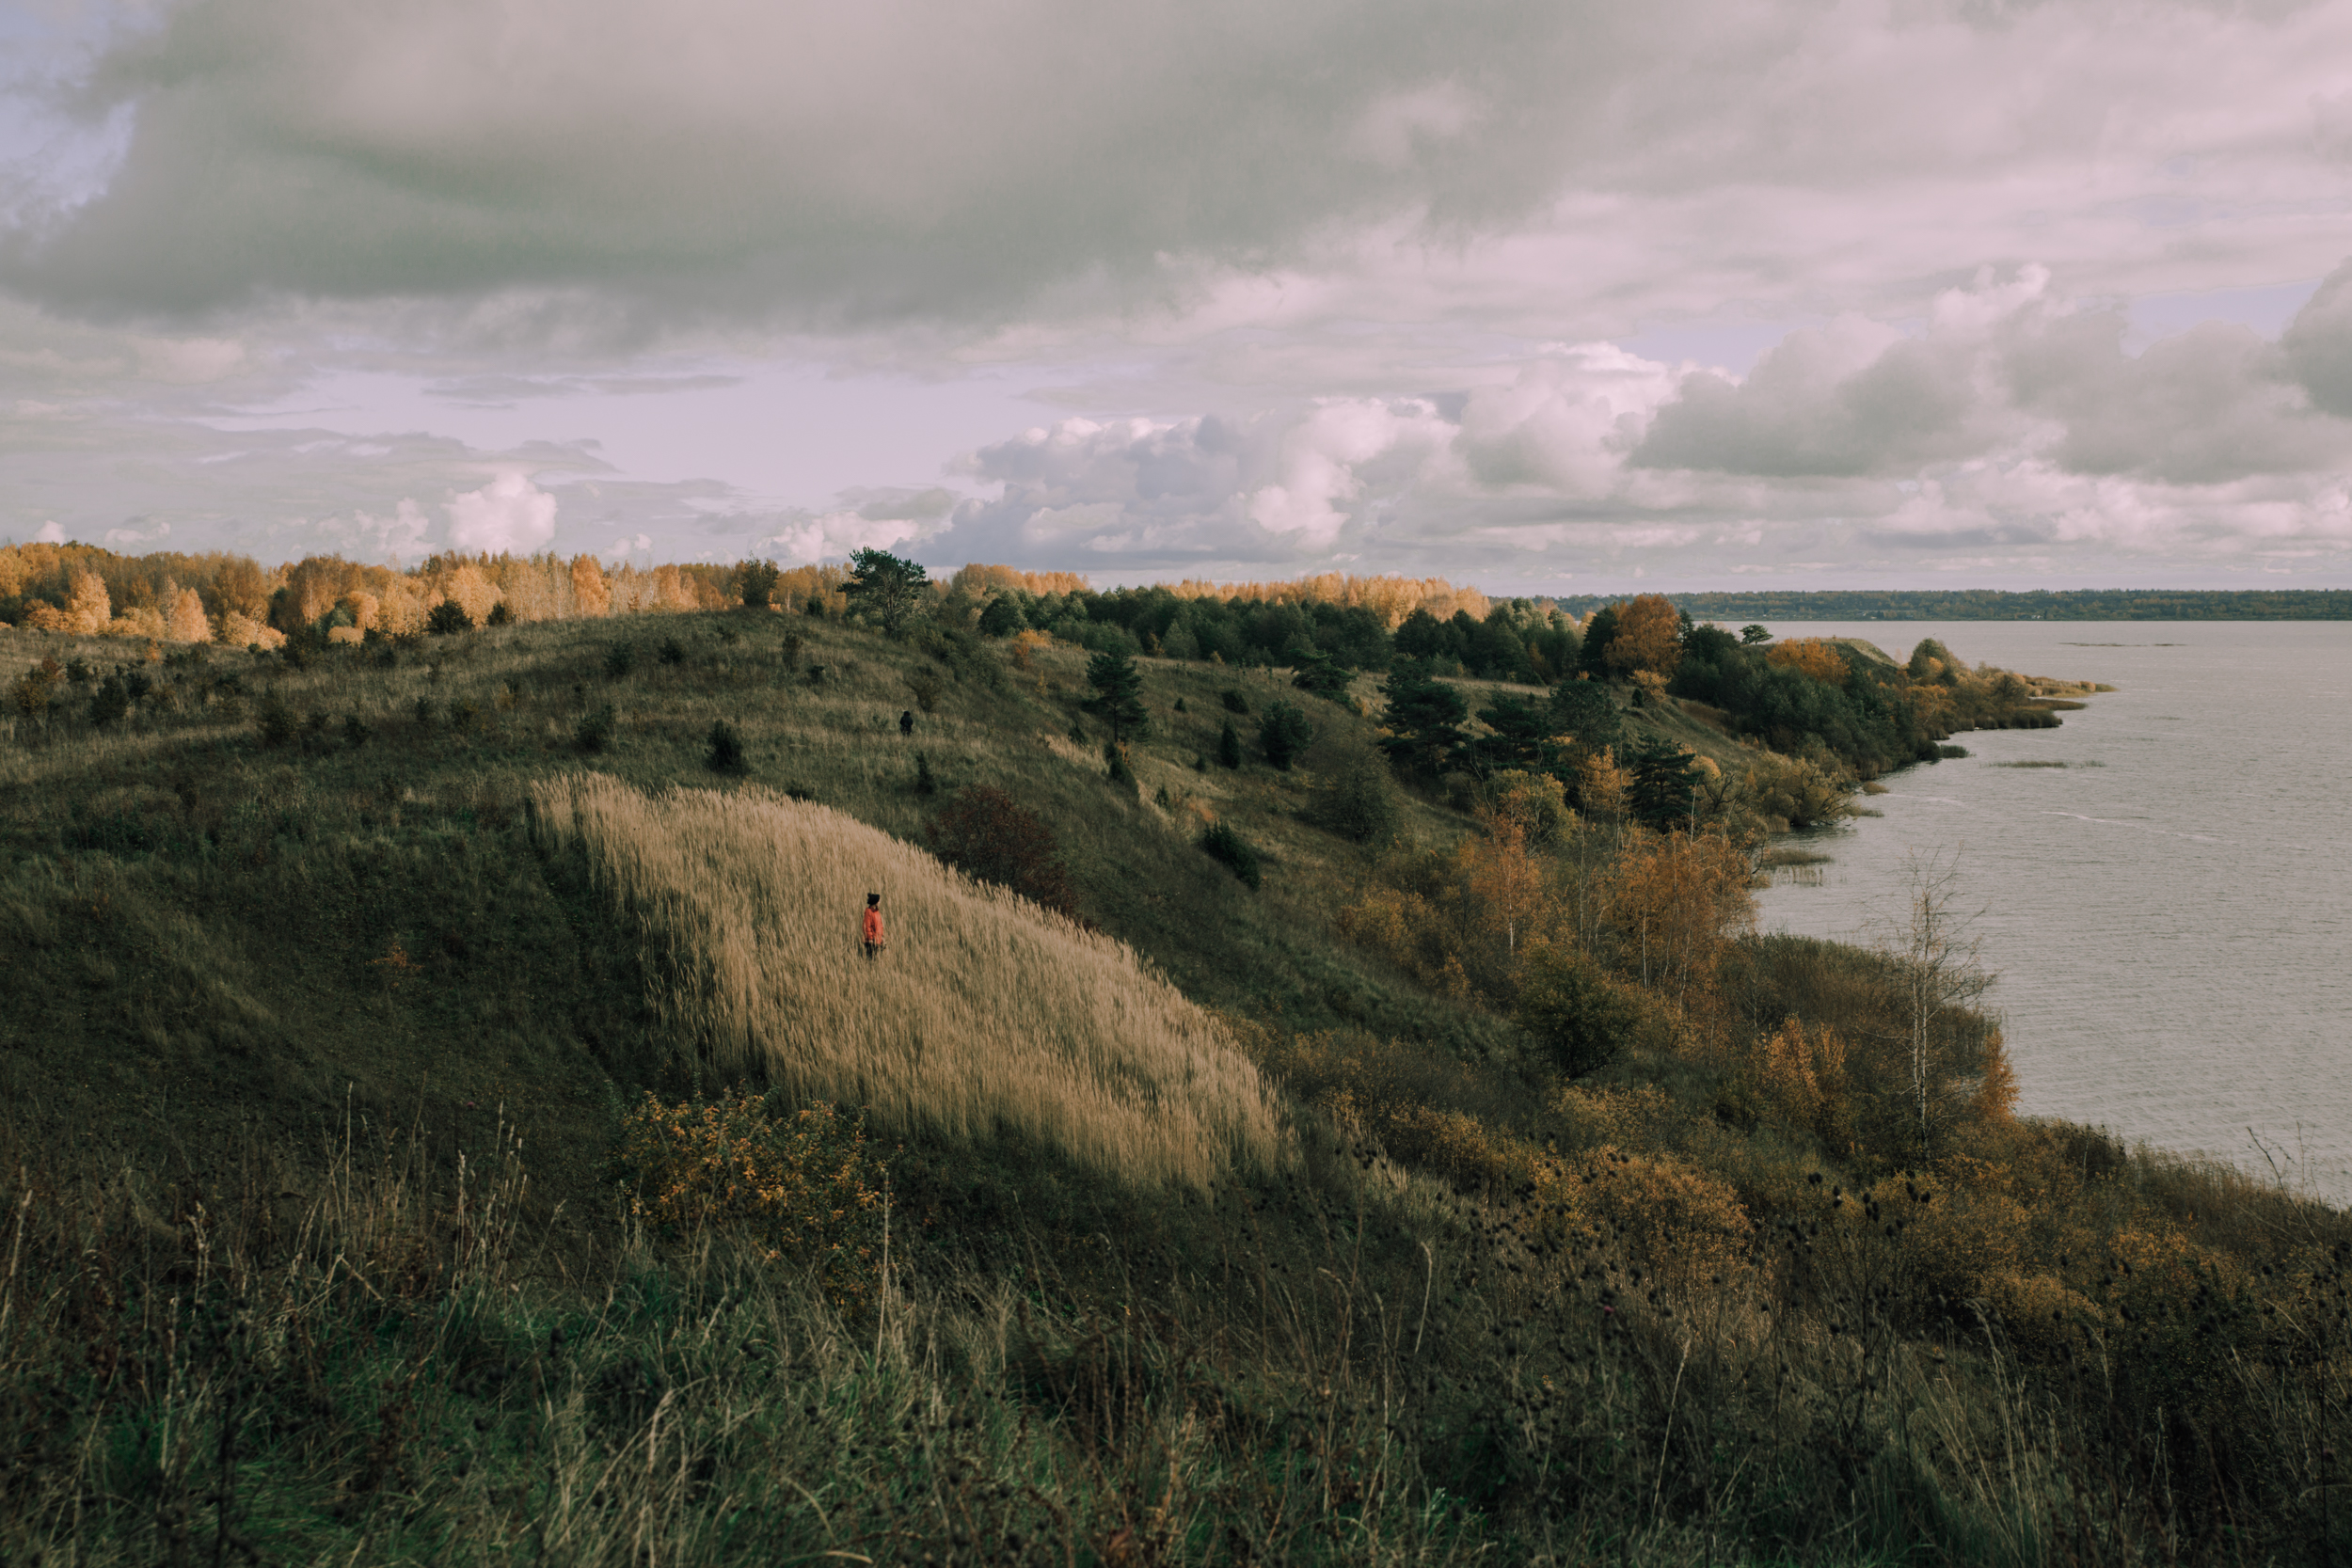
x=805 y=1188
x=1677 y=1221
x=985 y=1012
x=1643 y=1116
x=1423 y=1109
x=2040 y=1312
x=1404 y=929
x=1800 y=1076
x=1024 y=646
x=1795 y=790
x=1963 y=1240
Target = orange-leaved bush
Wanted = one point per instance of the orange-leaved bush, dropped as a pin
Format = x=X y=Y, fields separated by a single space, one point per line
x=990 y=837
x=802 y=1187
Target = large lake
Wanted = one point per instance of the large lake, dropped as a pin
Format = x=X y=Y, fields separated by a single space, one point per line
x=2170 y=913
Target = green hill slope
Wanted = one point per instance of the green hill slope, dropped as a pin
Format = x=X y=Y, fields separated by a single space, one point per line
x=336 y=986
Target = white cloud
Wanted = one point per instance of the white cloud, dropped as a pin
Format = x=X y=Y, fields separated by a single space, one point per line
x=49 y=534
x=1295 y=280
x=510 y=514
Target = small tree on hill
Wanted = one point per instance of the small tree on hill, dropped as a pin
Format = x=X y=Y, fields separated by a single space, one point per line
x=1283 y=734
x=1227 y=746
x=1583 y=712
x=1424 y=722
x=1320 y=676
x=1581 y=1018
x=888 y=586
x=1117 y=693
x=756 y=581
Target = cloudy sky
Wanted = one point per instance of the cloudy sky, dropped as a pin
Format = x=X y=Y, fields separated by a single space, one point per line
x=1545 y=294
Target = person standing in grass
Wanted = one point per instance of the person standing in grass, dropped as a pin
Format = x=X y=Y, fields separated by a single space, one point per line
x=873 y=927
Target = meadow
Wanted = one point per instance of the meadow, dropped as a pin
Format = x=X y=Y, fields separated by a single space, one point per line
x=1479 y=1188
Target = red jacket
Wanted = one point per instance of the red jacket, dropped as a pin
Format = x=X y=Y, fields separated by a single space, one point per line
x=873 y=926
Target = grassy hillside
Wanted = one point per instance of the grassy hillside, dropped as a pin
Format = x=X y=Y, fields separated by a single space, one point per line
x=337 y=987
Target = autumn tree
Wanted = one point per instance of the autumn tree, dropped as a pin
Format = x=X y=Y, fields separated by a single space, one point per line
x=1812 y=656
x=1674 y=902
x=591 y=593
x=1648 y=636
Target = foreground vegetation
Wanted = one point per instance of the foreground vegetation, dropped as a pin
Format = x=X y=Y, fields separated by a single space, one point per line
x=449 y=1120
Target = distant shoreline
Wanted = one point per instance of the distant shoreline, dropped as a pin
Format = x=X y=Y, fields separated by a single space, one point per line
x=2085 y=604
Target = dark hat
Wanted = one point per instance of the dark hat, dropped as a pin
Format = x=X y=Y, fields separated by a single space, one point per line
x=873 y=898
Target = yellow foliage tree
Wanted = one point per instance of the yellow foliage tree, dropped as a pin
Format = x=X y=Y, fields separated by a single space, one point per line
x=1675 y=901
x=1648 y=636
x=591 y=595
x=1811 y=656
x=188 y=622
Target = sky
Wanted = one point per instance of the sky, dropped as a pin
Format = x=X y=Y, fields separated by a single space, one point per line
x=1547 y=296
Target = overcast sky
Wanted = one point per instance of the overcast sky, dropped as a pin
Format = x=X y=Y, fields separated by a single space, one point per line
x=1547 y=296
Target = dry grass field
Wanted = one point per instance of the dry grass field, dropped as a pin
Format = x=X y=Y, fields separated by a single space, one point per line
x=984 y=1011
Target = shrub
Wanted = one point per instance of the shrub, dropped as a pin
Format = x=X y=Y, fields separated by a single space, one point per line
x=1359 y=805
x=499 y=615
x=110 y=701
x=447 y=617
x=672 y=651
x=1180 y=704
x=355 y=732
x=1230 y=849
x=988 y=837
x=926 y=781
x=276 y=721
x=801 y=1187
x=593 y=731
x=926 y=686
x=619 y=659
x=1796 y=790
x=1234 y=701
x=1228 y=747
x=1581 y=1018
x=791 y=647
x=1115 y=759
x=35 y=688
x=421 y=710
x=1002 y=618
x=1283 y=734
x=725 y=752
x=463 y=714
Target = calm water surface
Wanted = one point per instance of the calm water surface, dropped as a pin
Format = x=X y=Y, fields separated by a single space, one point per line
x=2171 y=913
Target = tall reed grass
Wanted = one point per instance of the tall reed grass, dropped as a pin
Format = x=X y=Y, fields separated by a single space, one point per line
x=984 y=1012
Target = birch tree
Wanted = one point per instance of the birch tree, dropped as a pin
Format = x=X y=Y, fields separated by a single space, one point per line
x=1938 y=974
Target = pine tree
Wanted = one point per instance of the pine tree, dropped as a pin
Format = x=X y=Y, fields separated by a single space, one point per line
x=1117 y=693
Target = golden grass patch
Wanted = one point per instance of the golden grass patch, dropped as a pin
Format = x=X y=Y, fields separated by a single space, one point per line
x=984 y=1011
